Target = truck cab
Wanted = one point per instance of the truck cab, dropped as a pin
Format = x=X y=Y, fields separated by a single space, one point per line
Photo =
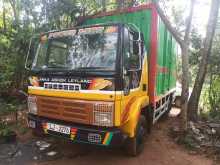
x=89 y=84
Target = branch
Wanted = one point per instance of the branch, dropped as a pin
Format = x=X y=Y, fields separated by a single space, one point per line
x=174 y=32
x=189 y=22
x=4 y=17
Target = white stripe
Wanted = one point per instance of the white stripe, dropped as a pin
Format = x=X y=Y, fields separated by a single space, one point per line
x=80 y=91
x=84 y=91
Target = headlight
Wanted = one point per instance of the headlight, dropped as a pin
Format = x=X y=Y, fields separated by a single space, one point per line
x=32 y=104
x=103 y=114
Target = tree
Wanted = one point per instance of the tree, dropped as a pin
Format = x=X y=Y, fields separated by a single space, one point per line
x=120 y=4
x=103 y=5
x=205 y=53
x=184 y=44
x=3 y=17
x=15 y=8
x=19 y=20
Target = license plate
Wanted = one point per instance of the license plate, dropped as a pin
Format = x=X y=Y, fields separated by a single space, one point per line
x=58 y=128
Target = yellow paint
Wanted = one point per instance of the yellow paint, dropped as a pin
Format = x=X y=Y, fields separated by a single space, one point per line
x=72 y=137
x=72 y=95
x=133 y=117
x=45 y=131
x=117 y=113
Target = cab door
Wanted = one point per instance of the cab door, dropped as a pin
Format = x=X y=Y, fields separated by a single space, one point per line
x=132 y=69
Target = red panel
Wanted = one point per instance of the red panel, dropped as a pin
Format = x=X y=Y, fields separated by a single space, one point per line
x=162 y=69
x=153 y=56
x=125 y=113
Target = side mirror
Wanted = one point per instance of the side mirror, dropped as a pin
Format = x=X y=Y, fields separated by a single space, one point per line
x=126 y=82
x=34 y=41
x=126 y=62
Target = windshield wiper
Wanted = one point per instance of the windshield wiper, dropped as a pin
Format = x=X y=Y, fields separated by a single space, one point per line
x=89 y=68
x=58 y=67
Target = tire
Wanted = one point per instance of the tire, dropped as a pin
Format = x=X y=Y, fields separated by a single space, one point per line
x=134 y=146
x=149 y=118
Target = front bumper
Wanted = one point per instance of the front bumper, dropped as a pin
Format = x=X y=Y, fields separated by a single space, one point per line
x=81 y=133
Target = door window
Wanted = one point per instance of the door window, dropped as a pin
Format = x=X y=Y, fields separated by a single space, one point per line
x=132 y=57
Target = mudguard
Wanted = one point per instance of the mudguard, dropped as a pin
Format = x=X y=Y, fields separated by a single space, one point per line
x=134 y=113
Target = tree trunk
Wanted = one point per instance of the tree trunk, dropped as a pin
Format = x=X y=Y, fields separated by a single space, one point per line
x=185 y=87
x=210 y=88
x=185 y=69
x=3 y=17
x=172 y=30
x=14 y=4
x=205 y=53
x=131 y=3
x=104 y=5
x=120 y=4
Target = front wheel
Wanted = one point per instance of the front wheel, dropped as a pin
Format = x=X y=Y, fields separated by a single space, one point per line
x=134 y=146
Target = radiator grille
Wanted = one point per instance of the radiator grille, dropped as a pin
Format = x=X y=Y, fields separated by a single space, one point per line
x=65 y=109
x=62 y=86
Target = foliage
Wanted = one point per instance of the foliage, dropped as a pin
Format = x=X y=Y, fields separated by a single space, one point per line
x=214 y=96
x=194 y=56
x=7 y=108
x=212 y=100
x=5 y=130
x=6 y=73
x=211 y=97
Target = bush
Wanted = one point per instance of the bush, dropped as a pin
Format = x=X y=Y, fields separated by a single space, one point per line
x=6 y=73
x=212 y=100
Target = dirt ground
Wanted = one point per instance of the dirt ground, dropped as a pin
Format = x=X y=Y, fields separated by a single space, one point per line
x=160 y=149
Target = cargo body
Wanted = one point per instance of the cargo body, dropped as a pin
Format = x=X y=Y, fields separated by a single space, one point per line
x=117 y=79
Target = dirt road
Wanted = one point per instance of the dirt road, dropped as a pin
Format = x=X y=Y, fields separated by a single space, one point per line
x=159 y=150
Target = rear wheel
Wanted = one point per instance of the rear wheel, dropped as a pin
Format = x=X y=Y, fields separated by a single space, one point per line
x=134 y=146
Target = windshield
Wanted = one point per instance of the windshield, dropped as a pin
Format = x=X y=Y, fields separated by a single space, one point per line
x=88 y=48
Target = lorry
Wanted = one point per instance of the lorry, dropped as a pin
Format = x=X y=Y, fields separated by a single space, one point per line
x=105 y=82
